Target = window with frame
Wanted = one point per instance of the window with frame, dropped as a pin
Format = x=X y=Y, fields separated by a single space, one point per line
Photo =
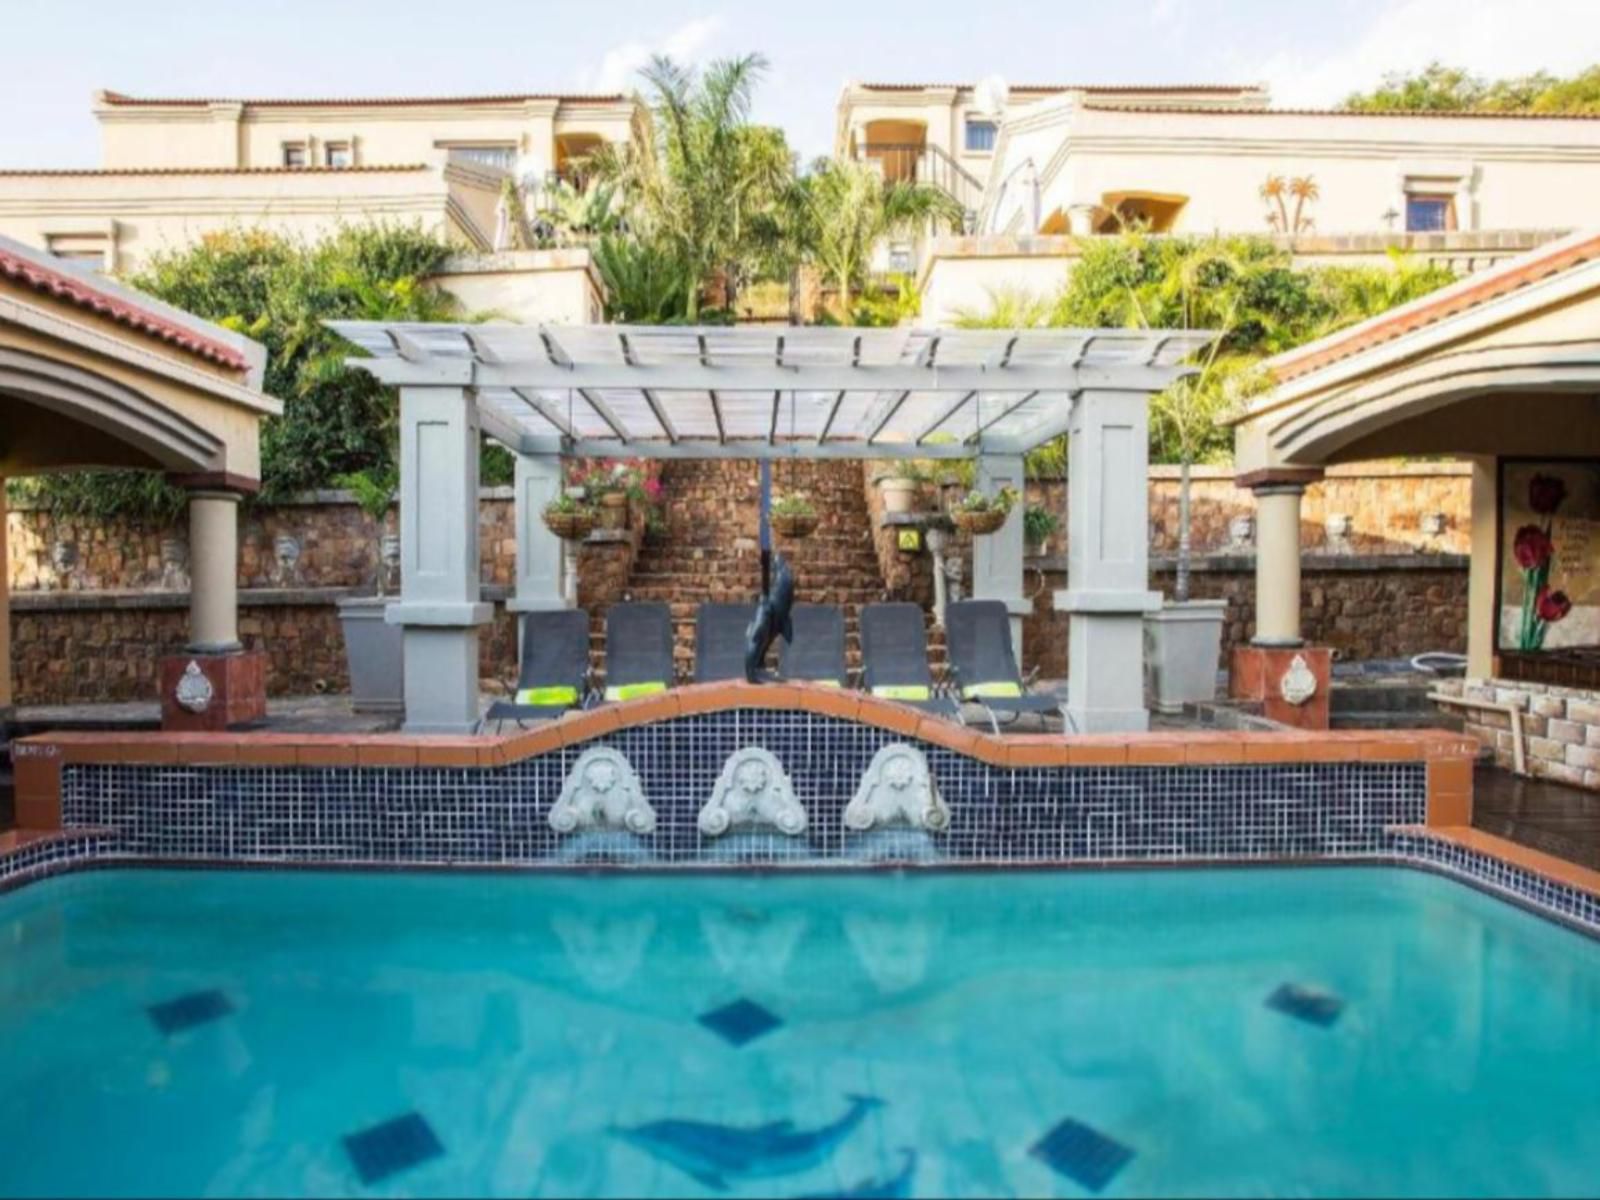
x=502 y=158
x=294 y=154
x=337 y=155
x=91 y=250
x=1430 y=212
x=981 y=135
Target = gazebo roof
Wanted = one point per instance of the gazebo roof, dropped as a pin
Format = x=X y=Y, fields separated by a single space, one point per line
x=771 y=391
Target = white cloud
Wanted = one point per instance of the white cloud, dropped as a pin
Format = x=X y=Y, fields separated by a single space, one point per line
x=1496 y=38
x=619 y=66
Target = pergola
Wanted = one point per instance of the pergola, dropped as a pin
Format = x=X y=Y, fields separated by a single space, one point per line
x=755 y=392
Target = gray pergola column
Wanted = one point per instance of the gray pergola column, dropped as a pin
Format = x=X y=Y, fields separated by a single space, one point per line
x=439 y=605
x=997 y=558
x=540 y=558
x=1108 y=562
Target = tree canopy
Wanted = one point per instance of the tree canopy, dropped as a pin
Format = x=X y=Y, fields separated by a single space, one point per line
x=1441 y=88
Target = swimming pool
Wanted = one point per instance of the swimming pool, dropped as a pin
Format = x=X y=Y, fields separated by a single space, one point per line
x=1341 y=1030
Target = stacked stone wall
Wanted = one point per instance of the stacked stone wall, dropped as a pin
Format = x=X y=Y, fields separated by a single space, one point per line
x=1560 y=727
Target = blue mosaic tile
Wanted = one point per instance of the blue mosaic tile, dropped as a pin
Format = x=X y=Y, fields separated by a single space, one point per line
x=187 y=1011
x=393 y=1146
x=741 y=1022
x=1084 y=1155
x=1306 y=1004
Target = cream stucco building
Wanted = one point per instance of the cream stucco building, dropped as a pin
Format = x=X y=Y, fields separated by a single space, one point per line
x=1037 y=169
x=174 y=170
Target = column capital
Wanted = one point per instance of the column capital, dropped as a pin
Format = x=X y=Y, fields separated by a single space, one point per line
x=1295 y=479
x=236 y=486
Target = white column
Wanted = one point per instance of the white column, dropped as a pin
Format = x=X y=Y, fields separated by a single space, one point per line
x=997 y=558
x=213 y=571
x=440 y=605
x=1278 y=564
x=1481 y=615
x=1108 y=562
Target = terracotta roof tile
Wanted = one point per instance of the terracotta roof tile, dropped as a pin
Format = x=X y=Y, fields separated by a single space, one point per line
x=122 y=100
x=75 y=290
x=1167 y=110
x=1468 y=294
x=1217 y=89
x=22 y=172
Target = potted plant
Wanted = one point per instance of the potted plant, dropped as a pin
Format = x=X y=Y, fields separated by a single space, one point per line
x=570 y=517
x=1038 y=523
x=793 y=515
x=611 y=488
x=374 y=649
x=979 y=514
x=900 y=486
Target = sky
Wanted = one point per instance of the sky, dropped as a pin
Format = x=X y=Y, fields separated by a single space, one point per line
x=1308 y=53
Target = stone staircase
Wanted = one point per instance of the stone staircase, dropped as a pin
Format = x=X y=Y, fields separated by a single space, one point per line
x=1395 y=703
x=708 y=550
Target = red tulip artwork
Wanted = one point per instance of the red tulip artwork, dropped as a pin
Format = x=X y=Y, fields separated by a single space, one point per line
x=1535 y=551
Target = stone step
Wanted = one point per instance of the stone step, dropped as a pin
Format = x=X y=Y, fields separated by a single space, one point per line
x=1393 y=719
x=1375 y=697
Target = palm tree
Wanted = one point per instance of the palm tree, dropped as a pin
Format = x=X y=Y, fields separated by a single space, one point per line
x=698 y=178
x=854 y=209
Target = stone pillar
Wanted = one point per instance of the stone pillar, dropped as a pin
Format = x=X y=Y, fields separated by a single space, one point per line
x=213 y=571
x=541 y=555
x=1080 y=219
x=440 y=606
x=5 y=610
x=1108 y=562
x=1481 y=615
x=215 y=683
x=997 y=557
x=1278 y=670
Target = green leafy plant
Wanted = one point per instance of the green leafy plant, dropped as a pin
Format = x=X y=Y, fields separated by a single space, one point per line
x=566 y=503
x=793 y=504
x=977 y=502
x=1038 y=523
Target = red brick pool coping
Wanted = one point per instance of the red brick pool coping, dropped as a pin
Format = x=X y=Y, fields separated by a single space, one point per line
x=38 y=760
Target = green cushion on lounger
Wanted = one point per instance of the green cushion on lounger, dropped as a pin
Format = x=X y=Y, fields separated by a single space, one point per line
x=913 y=691
x=547 y=697
x=1000 y=690
x=632 y=691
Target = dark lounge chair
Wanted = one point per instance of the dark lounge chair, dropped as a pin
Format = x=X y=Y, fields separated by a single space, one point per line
x=894 y=658
x=554 y=674
x=719 y=635
x=817 y=652
x=638 y=650
x=978 y=635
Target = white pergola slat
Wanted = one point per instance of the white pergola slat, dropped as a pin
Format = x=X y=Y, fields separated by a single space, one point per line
x=764 y=392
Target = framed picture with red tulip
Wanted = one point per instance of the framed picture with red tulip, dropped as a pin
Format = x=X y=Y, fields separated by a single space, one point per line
x=1549 y=554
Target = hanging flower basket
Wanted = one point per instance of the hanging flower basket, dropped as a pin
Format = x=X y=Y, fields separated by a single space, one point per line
x=569 y=522
x=985 y=521
x=793 y=516
x=795 y=525
x=979 y=514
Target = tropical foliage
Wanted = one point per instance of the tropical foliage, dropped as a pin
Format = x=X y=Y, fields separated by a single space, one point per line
x=1438 y=88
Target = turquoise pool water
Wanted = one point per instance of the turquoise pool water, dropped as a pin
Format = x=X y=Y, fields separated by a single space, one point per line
x=982 y=1035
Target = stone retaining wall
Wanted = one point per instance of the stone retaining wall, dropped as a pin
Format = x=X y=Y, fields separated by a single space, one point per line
x=1560 y=727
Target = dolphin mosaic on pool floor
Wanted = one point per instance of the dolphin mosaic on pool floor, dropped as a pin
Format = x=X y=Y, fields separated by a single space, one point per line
x=385 y=1149
x=718 y=1156
x=189 y=1010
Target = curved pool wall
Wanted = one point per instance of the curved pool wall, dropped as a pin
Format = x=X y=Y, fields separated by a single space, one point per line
x=1014 y=801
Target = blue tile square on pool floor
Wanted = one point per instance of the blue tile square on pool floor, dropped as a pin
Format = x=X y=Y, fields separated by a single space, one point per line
x=1306 y=1004
x=1084 y=1155
x=740 y=1022
x=191 y=1009
x=382 y=1150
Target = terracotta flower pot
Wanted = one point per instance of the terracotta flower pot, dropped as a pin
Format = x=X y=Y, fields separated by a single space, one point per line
x=899 y=495
x=614 y=510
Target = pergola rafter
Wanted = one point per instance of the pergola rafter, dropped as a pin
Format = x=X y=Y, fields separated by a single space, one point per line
x=717 y=392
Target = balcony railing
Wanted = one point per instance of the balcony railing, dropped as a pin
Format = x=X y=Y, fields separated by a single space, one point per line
x=922 y=163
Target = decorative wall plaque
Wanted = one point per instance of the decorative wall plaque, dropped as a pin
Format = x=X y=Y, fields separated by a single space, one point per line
x=602 y=792
x=897 y=787
x=194 y=692
x=753 y=790
x=1299 y=683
